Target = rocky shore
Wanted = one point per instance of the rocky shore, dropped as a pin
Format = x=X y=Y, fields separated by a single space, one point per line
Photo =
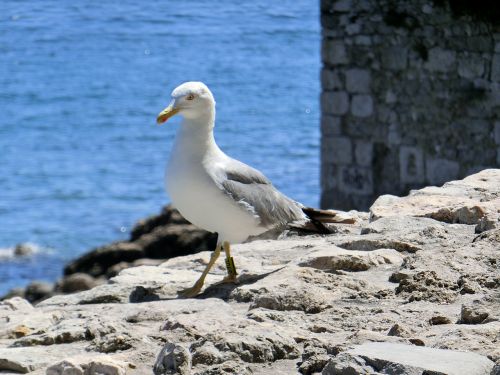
x=411 y=288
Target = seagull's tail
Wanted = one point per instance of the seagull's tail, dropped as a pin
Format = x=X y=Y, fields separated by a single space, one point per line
x=319 y=218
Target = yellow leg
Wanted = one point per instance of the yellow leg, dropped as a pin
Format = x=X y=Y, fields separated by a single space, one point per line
x=231 y=268
x=196 y=288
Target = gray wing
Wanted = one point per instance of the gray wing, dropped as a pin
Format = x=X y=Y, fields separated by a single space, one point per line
x=255 y=193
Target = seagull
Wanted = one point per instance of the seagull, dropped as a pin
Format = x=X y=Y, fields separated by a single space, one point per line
x=218 y=193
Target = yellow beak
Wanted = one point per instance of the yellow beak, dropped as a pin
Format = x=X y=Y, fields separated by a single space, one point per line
x=166 y=114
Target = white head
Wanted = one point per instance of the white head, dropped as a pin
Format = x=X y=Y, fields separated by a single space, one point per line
x=193 y=100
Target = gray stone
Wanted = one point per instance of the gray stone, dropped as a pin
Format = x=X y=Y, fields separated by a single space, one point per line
x=173 y=359
x=496 y=132
x=441 y=60
x=382 y=354
x=335 y=102
x=25 y=360
x=362 y=105
x=358 y=180
x=342 y=5
x=471 y=66
x=347 y=364
x=394 y=58
x=334 y=52
x=363 y=40
x=390 y=97
x=363 y=153
x=24 y=249
x=473 y=314
x=76 y=282
x=330 y=126
x=338 y=150
x=302 y=297
x=411 y=164
x=331 y=80
x=495 y=68
x=438 y=171
x=358 y=80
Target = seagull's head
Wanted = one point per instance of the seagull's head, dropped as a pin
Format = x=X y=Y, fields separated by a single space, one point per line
x=191 y=99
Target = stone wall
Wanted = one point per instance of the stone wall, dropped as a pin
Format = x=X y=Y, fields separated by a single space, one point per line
x=411 y=97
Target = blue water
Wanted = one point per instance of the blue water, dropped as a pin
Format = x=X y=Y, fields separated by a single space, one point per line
x=81 y=83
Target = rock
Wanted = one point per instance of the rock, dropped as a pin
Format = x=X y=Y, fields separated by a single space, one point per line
x=23 y=249
x=302 y=303
x=439 y=319
x=314 y=359
x=383 y=356
x=473 y=314
x=427 y=285
x=86 y=365
x=65 y=368
x=334 y=259
x=75 y=283
x=26 y=360
x=38 y=290
x=347 y=364
x=15 y=304
x=162 y=236
x=473 y=200
x=399 y=330
x=173 y=359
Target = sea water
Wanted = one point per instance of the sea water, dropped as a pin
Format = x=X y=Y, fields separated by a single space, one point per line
x=81 y=83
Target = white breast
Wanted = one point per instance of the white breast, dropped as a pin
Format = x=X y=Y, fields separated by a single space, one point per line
x=199 y=200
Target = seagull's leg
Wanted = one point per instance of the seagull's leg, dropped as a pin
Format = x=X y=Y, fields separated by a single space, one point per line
x=231 y=268
x=196 y=288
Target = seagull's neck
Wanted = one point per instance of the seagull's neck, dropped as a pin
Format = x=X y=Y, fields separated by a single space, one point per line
x=195 y=137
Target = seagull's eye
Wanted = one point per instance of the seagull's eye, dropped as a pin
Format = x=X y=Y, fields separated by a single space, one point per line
x=190 y=97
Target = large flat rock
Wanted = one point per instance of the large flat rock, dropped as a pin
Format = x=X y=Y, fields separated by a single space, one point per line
x=383 y=355
x=473 y=200
x=374 y=297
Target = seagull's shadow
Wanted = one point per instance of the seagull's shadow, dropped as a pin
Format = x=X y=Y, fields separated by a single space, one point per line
x=219 y=290
x=223 y=290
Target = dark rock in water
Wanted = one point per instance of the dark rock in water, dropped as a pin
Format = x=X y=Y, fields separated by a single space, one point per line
x=23 y=249
x=76 y=283
x=97 y=261
x=38 y=291
x=162 y=236
x=168 y=215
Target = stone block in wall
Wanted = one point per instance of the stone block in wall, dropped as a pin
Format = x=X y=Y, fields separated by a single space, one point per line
x=470 y=66
x=358 y=80
x=394 y=58
x=335 y=102
x=337 y=150
x=355 y=180
x=363 y=40
x=330 y=126
x=331 y=80
x=496 y=132
x=441 y=60
x=411 y=165
x=334 y=52
x=363 y=153
x=336 y=199
x=342 y=5
x=438 y=171
x=362 y=105
x=328 y=176
x=495 y=68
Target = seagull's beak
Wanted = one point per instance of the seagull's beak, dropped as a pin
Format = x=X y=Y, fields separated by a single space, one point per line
x=167 y=113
